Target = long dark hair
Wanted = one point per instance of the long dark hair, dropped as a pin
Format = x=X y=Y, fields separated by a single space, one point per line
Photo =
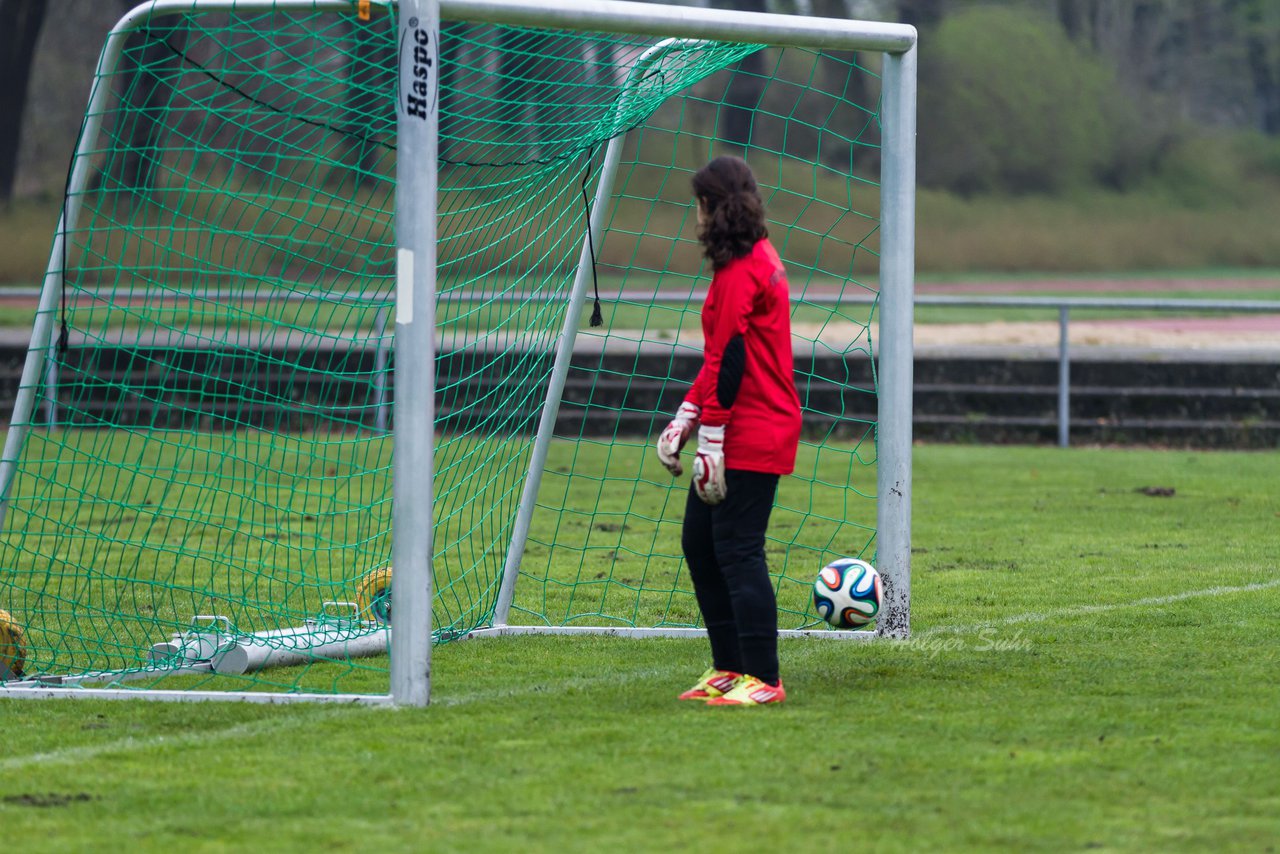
x=734 y=210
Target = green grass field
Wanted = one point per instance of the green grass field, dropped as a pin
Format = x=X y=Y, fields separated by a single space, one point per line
x=1092 y=667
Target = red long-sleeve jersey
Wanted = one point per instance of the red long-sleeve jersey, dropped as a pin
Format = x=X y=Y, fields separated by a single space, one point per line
x=749 y=298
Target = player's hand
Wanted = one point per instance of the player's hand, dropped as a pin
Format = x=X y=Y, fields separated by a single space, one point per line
x=708 y=465
x=672 y=439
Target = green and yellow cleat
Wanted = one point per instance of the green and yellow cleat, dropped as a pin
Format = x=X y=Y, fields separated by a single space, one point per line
x=714 y=683
x=750 y=691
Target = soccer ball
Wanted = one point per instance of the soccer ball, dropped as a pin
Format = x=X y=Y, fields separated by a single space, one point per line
x=373 y=596
x=13 y=654
x=848 y=593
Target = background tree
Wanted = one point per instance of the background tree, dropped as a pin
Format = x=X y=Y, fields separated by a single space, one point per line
x=18 y=36
x=1260 y=20
x=154 y=56
x=742 y=95
x=370 y=82
x=1182 y=70
x=920 y=14
x=1009 y=105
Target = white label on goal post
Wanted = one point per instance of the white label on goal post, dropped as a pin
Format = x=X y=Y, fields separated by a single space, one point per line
x=404 y=286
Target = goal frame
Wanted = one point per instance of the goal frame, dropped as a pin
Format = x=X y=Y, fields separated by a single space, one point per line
x=415 y=283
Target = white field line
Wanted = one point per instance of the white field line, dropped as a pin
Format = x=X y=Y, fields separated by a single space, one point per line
x=1084 y=610
x=131 y=743
x=250 y=729
x=253 y=728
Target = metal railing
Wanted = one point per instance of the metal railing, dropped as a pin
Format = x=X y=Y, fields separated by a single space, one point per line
x=1060 y=305
x=1063 y=307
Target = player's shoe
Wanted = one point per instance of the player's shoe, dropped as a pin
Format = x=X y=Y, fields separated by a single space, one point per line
x=714 y=683
x=750 y=691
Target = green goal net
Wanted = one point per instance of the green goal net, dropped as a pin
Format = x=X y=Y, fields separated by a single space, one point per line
x=198 y=485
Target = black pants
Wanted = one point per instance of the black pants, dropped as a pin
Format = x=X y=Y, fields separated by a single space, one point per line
x=724 y=547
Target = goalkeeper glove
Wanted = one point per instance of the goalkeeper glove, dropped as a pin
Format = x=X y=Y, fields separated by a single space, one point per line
x=708 y=465
x=672 y=439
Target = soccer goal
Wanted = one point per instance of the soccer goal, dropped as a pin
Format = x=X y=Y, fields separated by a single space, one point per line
x=361 y=318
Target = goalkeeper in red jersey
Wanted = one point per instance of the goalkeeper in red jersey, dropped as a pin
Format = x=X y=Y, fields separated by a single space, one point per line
x=745 y=411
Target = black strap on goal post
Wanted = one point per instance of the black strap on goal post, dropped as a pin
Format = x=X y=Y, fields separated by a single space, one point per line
x=597 y=316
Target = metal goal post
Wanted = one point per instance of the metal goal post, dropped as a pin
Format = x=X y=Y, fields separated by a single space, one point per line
x=415 y=283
